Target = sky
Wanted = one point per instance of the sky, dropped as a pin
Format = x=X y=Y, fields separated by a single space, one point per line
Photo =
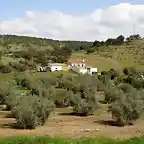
x=72 y=19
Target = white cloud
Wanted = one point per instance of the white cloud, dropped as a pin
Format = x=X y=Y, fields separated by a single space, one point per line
x=100 y=24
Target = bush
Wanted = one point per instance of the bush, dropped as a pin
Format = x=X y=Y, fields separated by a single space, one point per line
x=137 y=83
x=8 y=95
x=113 y=74
x=6 y=69
x=125 y=71
x=128 y=107
x=24 y=81
x=86 y=104
x=83 y=108
x=129 y=71
x=31 y=111
x=104 y=78
x=125 y=87
x=18 y=66
x=63 y=98
x=111 y=93
x=43 y=109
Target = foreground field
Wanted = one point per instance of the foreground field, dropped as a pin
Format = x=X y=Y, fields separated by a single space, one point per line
x=62 y=124
x=50 y=140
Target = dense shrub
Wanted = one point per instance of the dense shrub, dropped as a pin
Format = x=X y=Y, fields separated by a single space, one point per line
x=85 y=103
x=113 y=73
x=104 y=78
x=24 y=81
x=125 y=87
x=18 y=66
x=137 y=83
x=127 y=108
x=129 y=70
x=63 y=98
x=111 y=93
x=6 y=69
x=29 y=64
x=125 y=71
x=8 y=95
x=31 y=111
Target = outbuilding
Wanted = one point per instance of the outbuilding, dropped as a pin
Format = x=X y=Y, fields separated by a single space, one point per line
x=57 y=67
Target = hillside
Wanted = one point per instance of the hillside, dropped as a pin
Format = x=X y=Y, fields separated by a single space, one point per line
x=129 y=54
x=77 y=105
x=17 y=43
x=39 y=51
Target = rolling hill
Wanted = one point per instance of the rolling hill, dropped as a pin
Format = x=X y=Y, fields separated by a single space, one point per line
x=119 y=56
x=104 y=57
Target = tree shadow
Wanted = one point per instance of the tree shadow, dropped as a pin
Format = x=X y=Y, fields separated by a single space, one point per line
x=9 y=116
x=74 y=114
x=103 y=102
x=109 y=123
x=10 y=125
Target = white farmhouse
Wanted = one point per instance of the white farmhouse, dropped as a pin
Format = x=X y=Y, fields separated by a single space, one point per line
x=79 y=70
x=78 y=63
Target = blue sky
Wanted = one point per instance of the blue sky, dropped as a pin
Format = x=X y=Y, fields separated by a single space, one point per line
x=16 y=8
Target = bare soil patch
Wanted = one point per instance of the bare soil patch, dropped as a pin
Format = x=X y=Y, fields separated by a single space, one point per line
x=73 y=126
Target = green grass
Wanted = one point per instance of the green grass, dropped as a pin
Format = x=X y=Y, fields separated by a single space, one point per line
x=117 y=57
x=99 y=62
x=50 y=140
x=6 y=60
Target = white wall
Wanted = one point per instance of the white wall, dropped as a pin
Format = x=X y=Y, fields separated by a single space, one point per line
x=78 y=69
x=54 y=68
x=93 y=70
x=82 y=71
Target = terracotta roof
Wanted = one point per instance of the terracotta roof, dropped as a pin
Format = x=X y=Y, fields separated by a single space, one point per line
x=76 y=61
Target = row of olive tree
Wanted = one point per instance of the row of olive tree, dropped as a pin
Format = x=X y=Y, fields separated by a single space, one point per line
x=43 y=94
x=125 y=95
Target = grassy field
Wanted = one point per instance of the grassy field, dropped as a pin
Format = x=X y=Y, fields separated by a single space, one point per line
x=100 y=62
x=104 y=58
x=50 y=140
x=117 y=57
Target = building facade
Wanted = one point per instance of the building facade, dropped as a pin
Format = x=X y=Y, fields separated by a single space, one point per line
x=57 y=67
x=54 y=67
x=78 y=63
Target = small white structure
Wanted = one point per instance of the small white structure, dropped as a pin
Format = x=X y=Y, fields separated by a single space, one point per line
x=55 y=66
x=91 y=70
